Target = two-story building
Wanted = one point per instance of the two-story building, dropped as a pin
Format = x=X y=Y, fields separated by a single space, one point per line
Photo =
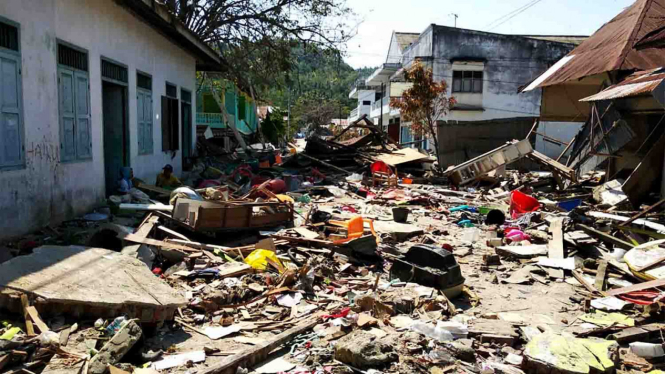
x=88 y=87
x=483 y=72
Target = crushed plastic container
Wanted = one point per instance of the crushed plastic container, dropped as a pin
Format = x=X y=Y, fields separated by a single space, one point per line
x=647 y=350
x=521 y=203
x=433 y=332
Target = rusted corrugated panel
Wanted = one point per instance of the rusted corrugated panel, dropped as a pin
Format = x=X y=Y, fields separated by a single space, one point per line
x=626 y=90
x=612 y=47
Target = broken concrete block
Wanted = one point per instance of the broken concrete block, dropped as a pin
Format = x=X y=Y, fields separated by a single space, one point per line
x=116 y=348
x=549 y=352
x=89 y=282
x=363 y=350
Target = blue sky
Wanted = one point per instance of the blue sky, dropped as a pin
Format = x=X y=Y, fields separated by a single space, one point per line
x=545 y=17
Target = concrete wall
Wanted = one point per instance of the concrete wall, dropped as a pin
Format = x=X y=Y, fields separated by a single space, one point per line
x=47 y=190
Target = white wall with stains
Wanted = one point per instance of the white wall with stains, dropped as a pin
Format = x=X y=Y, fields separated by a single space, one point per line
x=47 y=190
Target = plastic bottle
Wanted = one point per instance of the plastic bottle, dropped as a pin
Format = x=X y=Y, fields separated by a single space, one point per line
x=116 y=325
x=432 y=332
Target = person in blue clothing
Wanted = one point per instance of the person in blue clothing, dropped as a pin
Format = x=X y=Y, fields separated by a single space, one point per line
x=125 y=181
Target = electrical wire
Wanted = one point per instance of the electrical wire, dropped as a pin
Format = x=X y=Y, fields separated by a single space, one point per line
x=516 y=14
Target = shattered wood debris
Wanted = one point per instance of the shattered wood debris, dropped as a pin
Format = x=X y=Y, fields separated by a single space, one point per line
x=313 y=265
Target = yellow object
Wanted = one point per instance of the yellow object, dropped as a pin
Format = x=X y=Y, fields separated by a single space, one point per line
x=258 y=259
x=285 y=199
x=10 y=333
x=607 y=319
x=571 y=355
x=167 y=182
x=355 y=228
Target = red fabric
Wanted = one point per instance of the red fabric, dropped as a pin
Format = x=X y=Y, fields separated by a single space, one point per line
x=342 y=313
x=276 y=186
x=382 y=167
x=521 y=203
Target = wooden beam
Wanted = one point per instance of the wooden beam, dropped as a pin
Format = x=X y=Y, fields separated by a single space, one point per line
x=555 y=246
x=587 y=285
x=28 y=322
x=643 y=213
x=566 y=149
x=637 y=287
x=173 y=233
x=34 y=315
x=158 y=243
x=259 y=353
x=600 y=276
x=605 y=237
x=325 y=163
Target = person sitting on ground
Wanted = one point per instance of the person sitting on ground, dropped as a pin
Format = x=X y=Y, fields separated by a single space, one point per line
x=166 y=179
x=125 y=181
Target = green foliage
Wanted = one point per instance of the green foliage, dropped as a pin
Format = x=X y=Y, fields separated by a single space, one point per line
x=273 y=127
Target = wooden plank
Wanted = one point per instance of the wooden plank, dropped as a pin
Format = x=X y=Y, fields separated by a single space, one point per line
x=259 y=353
x=28 y=322
x=587 y=285
x=4 y=360
x=643 y=213
x=555 y=246
x=637 y=287
x=605 y=237
x=325 y=164
x=600 y=276
x=173 y=233
x=34 y=315
x=158 y=243
x=64 y=337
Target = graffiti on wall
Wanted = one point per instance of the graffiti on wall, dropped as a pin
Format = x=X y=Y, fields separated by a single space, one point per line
x=43 y=151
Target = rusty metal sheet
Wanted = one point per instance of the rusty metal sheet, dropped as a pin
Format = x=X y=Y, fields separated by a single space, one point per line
x=627 y=90
x=612 y=47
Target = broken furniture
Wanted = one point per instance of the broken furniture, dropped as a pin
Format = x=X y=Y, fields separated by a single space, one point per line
x=355 y=228
x=205 y=216
x=430 y=266
x=484 y=164
x=382 y=173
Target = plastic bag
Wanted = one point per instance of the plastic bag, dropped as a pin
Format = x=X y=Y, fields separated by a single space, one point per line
x=258 y=259
x=355 y=177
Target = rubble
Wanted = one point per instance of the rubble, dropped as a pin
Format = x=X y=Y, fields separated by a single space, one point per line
x=492 y=269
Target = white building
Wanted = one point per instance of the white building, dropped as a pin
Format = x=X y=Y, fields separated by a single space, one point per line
x=483 y=72
x=89 y=86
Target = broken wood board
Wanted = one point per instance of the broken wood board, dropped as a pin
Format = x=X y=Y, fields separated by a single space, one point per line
x=637 y=287
x=306 y=233
x=606 y=237
x=492 y=327
x=522 y=251
x=639 y=222
x=258 y=354
x=402 y=156
x=90 y=282
x=556 y=244
x=600 y=276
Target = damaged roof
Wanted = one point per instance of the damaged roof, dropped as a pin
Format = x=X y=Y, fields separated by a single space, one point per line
x=638 y=84
x=613 y=46
x=405 y=39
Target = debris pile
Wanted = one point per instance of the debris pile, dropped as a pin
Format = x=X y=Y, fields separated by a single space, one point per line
x=347 y=266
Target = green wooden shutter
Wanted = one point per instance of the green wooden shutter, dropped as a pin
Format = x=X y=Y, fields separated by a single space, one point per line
x=10 y=111
x=147 y=117
x=166 y=124
x=83 y=135
x=67 y=115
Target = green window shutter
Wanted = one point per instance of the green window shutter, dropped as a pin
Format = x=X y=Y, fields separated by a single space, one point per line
x=144 y=121
x=230 y=98
x=10 y=111
x=242 y=108
x=140 y=130
x=83 y=136
x=67 y=115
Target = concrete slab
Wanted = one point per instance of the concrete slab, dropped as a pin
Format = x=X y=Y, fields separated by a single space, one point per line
x=90 y=282
x=399 y=231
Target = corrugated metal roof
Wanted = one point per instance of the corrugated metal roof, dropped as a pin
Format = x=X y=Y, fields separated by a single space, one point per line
x=636 y=84
x=612 y=47
x=627 y=90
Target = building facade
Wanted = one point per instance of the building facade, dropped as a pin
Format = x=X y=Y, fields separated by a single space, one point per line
x=483 y=72
x=89 y=86
x=240 y=109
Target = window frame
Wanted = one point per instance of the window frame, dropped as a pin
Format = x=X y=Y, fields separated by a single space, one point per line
x=60 y=68
x=166 y=90
x=149 y=92
x=17 y=56
x=470 y=80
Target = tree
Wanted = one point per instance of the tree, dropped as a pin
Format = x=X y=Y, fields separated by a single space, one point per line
x=255 y=37
x=314 y=112
x=424 y=103
x=273 y=127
